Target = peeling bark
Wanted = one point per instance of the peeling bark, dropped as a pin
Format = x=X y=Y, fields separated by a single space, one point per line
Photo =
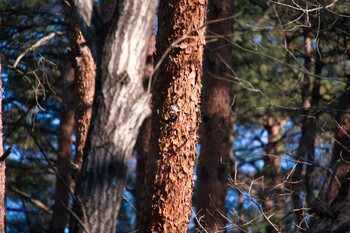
x=168 y=186
x=60 y=215
x=85 y=76
x=217 y=122
x=2 y=172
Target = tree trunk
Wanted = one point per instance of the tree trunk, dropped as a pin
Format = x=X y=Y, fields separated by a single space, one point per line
x=273 y=201
x=175 y=117
x=306 y=142
x=2 y=171
x=60 y=215
x=142 y=151
x=341 y=149
x=216 y=120
x=337 y=219
x=142 y=142
x=306 y=148
x=120 y=107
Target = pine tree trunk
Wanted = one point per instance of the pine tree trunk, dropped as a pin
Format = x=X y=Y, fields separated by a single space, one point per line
x=175 y=117
x=120 y=106
x=273 y=201
x=60 y=214
x=216 y=120
x=306 y=147
x=2 y=171
x=341 y=149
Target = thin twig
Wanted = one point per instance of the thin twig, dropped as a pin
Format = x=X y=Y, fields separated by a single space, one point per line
x=6 y=154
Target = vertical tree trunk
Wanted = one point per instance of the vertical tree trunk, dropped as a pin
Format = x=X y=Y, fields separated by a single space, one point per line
x=120 y=107
x=2 y=171
x=272 y=200
x=341 y=149
x=175 y=116
x=314 y=113
x=142 y=151
x=306 y=148
x=60 y=214
x=142 y=142
x=216 y=120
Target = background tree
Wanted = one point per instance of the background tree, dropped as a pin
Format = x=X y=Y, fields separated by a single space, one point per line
x=60 y=209
x=217 y=125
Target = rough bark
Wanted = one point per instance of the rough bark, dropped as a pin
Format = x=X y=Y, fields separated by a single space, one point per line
x=2 y=172
x=175 y=117
x=60 y=215
x=216 y=119
x=85 y=76
x=120 y=106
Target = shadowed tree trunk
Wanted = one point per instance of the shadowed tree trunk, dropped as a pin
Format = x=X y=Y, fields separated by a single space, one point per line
x=118 y=39
x=336 y=218
x=340 y=162
x=216 y=119
x=142 y=142
x=175 y=117
x=142 y=150
x=60 y=215
x=306 y=148
x=306 y=142
x=2 y=171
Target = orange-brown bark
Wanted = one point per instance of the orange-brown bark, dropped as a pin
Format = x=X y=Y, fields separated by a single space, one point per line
x=175 y=116
x=217 y=120
x=2 y=172
x=60 y=215
x=85 y=76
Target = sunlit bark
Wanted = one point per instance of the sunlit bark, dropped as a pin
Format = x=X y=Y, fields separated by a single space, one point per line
x=175 y=117
x=119 y=48
x=2 y=172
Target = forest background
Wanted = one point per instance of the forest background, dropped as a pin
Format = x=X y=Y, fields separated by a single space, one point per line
x=274 y=144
